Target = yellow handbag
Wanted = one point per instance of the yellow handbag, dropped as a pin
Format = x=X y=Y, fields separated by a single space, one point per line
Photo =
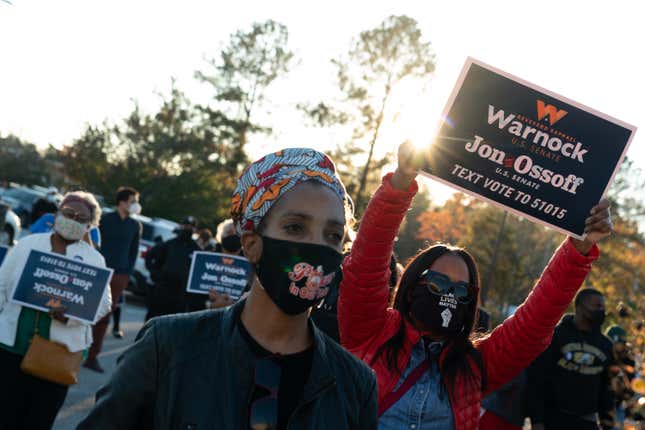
x=51 y=361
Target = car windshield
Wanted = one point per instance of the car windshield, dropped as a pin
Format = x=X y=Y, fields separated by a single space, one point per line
x=22 y=195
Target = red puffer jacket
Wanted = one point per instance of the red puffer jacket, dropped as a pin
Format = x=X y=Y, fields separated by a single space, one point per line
x=366 y=323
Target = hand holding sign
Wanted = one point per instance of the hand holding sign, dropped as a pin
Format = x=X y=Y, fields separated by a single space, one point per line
x=218 y=300
x=410 y=160
x=58 y=313
x=597 y=227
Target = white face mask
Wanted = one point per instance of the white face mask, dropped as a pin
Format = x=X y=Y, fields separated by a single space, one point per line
x=135 y=208
x=69 y=229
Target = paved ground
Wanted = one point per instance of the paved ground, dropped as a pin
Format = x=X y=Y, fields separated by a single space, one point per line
x=81 y=396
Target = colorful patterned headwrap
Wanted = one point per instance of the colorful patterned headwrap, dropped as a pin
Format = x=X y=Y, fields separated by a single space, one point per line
x=263 y=183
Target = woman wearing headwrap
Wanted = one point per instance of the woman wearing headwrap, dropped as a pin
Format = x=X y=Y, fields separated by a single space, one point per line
x=260 y=364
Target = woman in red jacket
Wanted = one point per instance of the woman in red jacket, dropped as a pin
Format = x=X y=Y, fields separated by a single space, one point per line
x=431 y=373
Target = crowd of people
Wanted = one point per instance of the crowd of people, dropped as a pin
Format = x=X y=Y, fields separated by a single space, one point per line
x=331 y=331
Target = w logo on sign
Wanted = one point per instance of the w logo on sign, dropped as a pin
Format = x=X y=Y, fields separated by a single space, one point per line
x=551 y=111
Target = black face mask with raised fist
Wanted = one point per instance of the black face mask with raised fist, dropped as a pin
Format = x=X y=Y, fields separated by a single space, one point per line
x=440 y=304
x=438 y=314
x=295 y=275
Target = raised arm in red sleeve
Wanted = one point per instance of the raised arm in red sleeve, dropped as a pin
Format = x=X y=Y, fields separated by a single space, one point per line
x=513 y=345
x=363 y=302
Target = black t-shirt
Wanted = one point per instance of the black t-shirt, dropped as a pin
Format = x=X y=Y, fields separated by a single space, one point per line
x=295 y=369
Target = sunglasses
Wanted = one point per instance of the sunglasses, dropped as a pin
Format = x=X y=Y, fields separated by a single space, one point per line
x=76 y=216
x=263 y=414
x=440 y=285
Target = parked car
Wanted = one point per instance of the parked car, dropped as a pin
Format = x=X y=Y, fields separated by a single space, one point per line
x=10 y=226
x=155 y=230
x=22 y=200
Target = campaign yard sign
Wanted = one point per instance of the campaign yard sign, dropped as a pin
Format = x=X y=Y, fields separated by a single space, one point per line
x=51 y=280
x=226 y=274
x=526 y=149
x=3 y=253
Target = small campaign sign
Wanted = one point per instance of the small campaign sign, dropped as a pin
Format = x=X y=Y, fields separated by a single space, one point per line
x=51 y=280
x=226 y=274
x=3 y=253
x=526 y=149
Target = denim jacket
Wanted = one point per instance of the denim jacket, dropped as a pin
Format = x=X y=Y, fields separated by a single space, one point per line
x=425 y=406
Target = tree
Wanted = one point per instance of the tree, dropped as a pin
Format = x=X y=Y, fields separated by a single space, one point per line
x=619 y=272
x=183 y=159
x=408 y=243
x=448 y=223
x=367 y=75
x=246 y=67
x=21 y=162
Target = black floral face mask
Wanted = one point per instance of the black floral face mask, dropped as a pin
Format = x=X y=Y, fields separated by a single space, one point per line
x=297 y=275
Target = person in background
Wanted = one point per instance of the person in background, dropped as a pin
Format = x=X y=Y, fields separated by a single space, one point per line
x=260 y=364
x=120 y=235
x=45 y=224
x=431 y=372
x=45 y=205
x=116 y=317
x=622 y=372
x=205 y=240
x=623 y=311
x=568 y=384
x=169 y=265
x=28 y=402
x=228 y=242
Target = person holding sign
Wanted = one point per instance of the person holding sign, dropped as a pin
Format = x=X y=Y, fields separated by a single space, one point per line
x=228 y=242
x=120 y=237
x=169 y=266
x=430 y=371
x=27 y=401
x=261 y=363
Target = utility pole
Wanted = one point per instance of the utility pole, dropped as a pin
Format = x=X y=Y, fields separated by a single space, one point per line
x=488 y=280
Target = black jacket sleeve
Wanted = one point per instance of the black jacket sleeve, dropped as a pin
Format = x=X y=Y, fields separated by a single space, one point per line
x=369 y=411
x=155 y=260
x=536 y=393
x=126 y=402
x=134 y=249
